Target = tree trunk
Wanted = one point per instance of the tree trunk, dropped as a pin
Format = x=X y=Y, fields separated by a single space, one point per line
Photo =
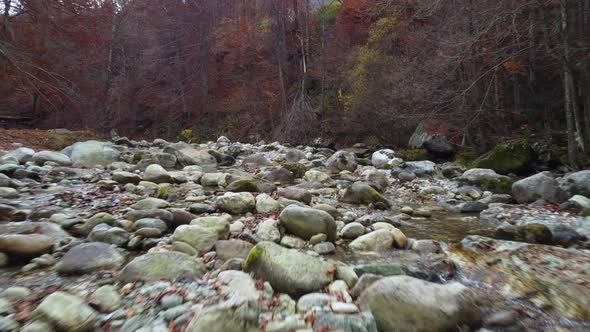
x=567 y=87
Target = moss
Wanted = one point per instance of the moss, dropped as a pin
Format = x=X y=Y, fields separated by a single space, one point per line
x=537 y=233
x=253 y=256
x=138 y=155
x=243 y=186
x=164 y=191
x=465 y=158
x=58 y=141
x=513 y=157
x=501 y=185
x=297 y=169
x=412 y=154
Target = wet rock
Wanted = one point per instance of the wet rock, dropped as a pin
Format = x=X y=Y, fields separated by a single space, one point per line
x=577 y=183
x=538 y=186
x=307 y=222
x=439 y=146
x=92 y=153
x=157 y=174
x=67 y=312
x=241 y=315
x=200 y=238
x=566 y=236
x=288 y=270
x=423 y=212
x=236 y=203
x=295 y=193
x=26 y=245
x=162 y=265
x=342 y=161
x=379 y=240
x=362 y=193
x=426 y=246
x=324 y=248
x=111 y=235
x=473 y=207
x=380 y=269
x=536 y=233
x=404 y=303
x=89 y=257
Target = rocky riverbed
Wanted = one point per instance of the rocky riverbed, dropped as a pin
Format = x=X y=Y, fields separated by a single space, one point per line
x=224 y=236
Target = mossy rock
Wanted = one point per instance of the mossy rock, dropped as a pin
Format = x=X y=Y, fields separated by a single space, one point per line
x=363 y=193
x=514 y=157
x=380 y=269
x=465 y=158
x=165 y=190
x=500 y=185
x=297 y=169
x=536 y=233
x=244 y=186
x=138 y=155
x=413 y=154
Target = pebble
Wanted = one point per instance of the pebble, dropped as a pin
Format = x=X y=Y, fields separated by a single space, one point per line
x=344 y=308
x=324 y=248
x=171 y=300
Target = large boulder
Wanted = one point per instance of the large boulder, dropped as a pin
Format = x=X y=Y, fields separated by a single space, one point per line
x=288 y=270
x=162 y=265
x=379 y=240
x=439 y=146
x=89 y=257
x=383 y=158
x=362 y=193
x=307 y=222
x=26 y=245
x=187 y=155
x=42 y=157
x=66 y=312
x=266 y=204
x=295 y=193
x=514 y=157
x=342 y=161
x=92 y=153
x=420 y=168
x=236 y=203
x=402 y=303
x=539 y=186
x=218 y=223
x=577 y=183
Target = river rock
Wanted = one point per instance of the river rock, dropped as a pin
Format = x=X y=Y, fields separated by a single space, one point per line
x=89 y=257
x=379 y=240
x=200 y=238
x=538 y=186
x=280 y=175
x=26 y=245
x=236 y=203
x=66 y=312
x=288 y=270
x=227 y=249
x=363 y=193
x=150 y=203
x=238 y=284
x=162 y=265
x=577 y=183
x=268 y=230
x=187 y=155
x=342 y=161
x=420 y=168
x=218 y=223
x=42 y=157
x=92 y=153
x=240 y=315
x=21 y=155
x=126 y=177
x=266 y=204
x=295 y=193
x=106 y=298
x=403 y=303
x=157 y=174
x=353 y=230
x=316 y=176
x=307 y=222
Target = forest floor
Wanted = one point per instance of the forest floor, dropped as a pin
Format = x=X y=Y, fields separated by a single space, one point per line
x=43 y=139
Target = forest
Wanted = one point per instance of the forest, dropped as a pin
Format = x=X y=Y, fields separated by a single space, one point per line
x=345 y=71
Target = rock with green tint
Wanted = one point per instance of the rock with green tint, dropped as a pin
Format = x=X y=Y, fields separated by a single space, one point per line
x=307 y=222
x=536 y=233
x=99 y=218
x=231 y=316
x=538 y=186
x=162 y=265
x=363 y=193
x=379 y=240
x=66 y=312
x=150 y=203
x=288 y=270
x=244 y=185
x=514 y=157
x=266 y=204
x=199 y=237
x=236 y=203
x=218 y=223
x=486 y=179
x=380 y=269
